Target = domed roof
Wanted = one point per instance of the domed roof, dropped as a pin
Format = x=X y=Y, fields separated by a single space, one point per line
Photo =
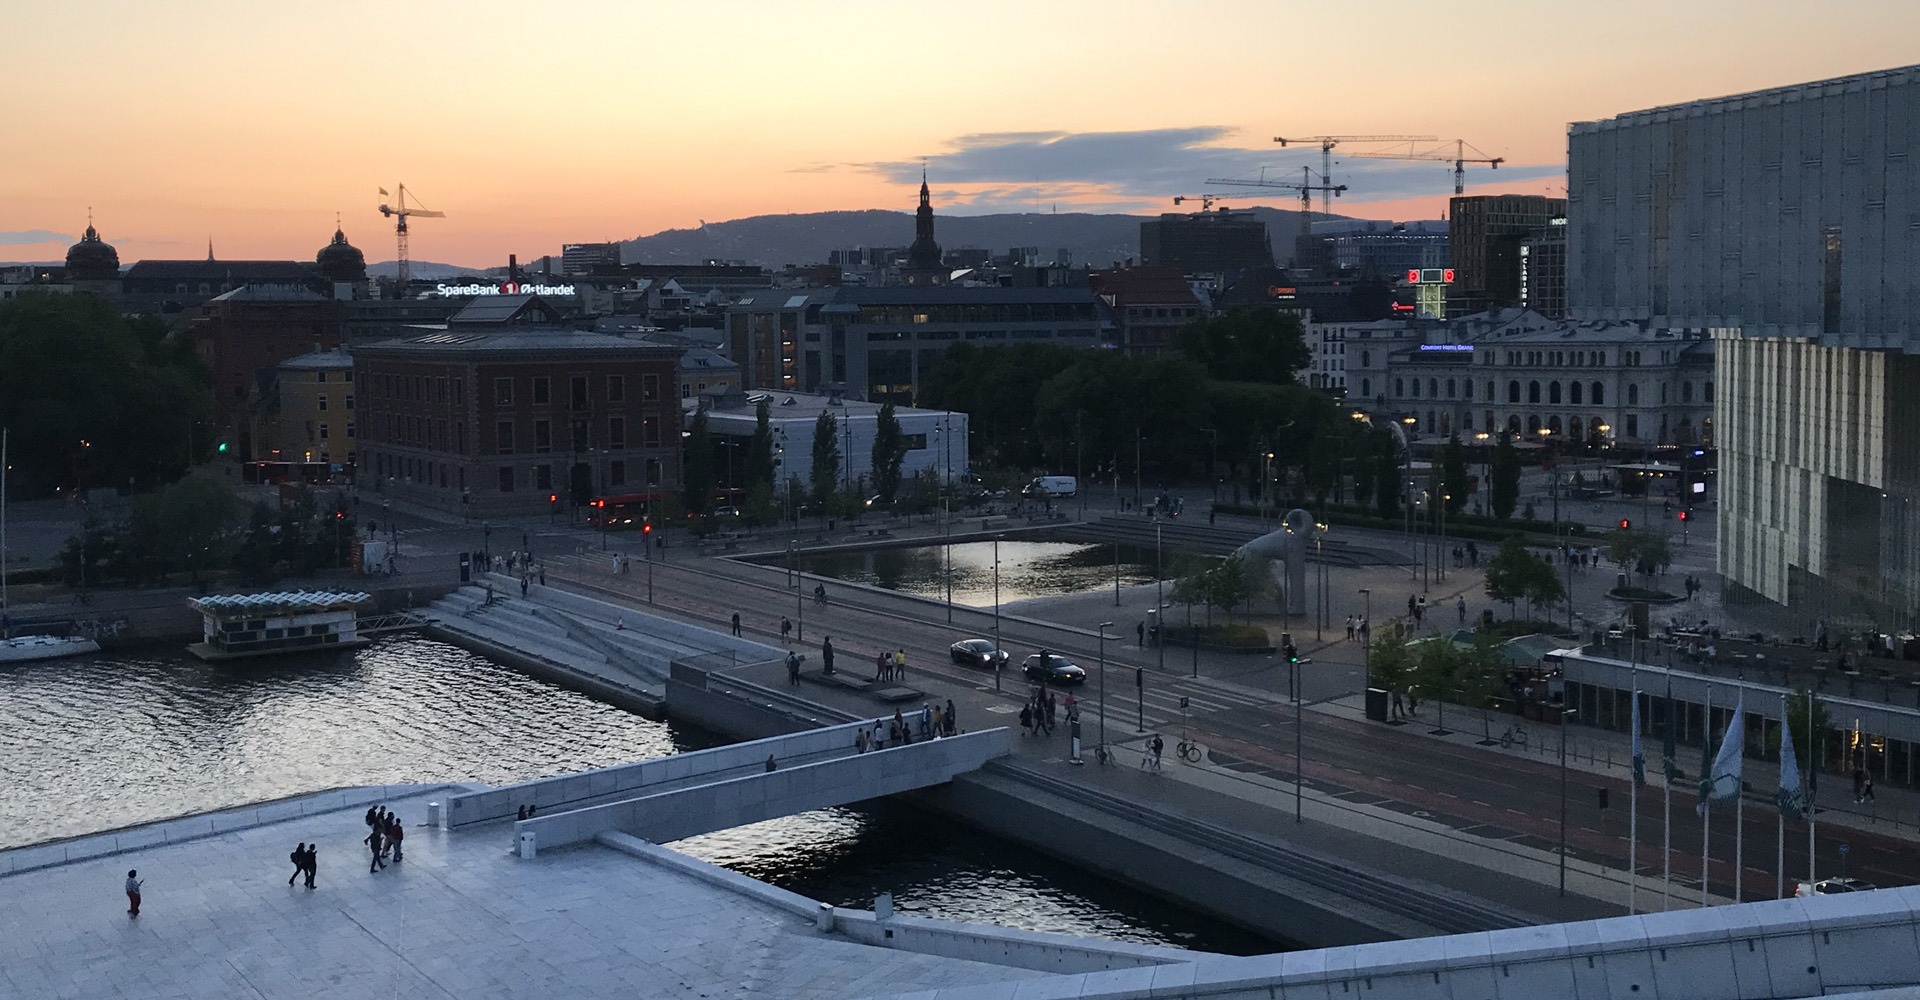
x=92 y=259
x=340 y=260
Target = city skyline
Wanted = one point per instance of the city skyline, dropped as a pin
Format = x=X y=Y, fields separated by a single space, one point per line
x=252 y=127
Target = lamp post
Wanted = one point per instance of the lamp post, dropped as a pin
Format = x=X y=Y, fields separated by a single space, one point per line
x=1213 y=458
x=946 y=528
x=1366 y=639
x=1104 y=626
x=1159 y=600
x=1299 y=738
x=1565 y=715
x=1406 y=494
x=996 y=604
x=799 y=605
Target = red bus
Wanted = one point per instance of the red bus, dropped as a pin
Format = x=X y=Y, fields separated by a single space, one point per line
x=622 y=511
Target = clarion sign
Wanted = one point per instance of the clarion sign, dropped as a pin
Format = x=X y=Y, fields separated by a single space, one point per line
x=505 y=288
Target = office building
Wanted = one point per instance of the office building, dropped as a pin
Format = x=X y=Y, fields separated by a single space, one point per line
x=302 y=420
x=579 y=260
x=1483 y=246
x=1150 y=305
x=1543 y=270
x=935 y=439
x=251 y=330
x=1784 y=222
x=1368 y=248
x=1216 y=242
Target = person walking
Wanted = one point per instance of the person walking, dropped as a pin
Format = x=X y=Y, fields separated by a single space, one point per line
x=1026 y=719
x=1140 y=631
x=543 y=575
x=1158 y=746
x=374 y=846
x=1866 y=790
x=880 y=662
x=313 y=862
x=793 y=669
x=900 y=664
x=397 y=836
x=134 y=882
x=953 y=722
x=1460 y=604
x=786 y=628
x=736 y=622
x=1052 y=715
x=1399 y=705
x=939 y=722
x=1859 y=784
x=1350 y=628
x=826 y=655
x=926 y=720
x=299 y=859
x=524 y=583
x=1410 y=606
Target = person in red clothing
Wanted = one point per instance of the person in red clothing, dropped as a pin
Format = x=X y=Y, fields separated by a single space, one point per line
x=133 y=892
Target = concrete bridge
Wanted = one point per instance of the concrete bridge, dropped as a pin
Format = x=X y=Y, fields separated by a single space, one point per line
x=688 y=794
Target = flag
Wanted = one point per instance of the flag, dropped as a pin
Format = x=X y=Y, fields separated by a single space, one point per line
x=1639 y=754
x=1720 y=777
x=1790 y=799
x=1668 y=752
x=383 y=190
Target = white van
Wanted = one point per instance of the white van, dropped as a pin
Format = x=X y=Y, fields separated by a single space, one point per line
x=1053 y=486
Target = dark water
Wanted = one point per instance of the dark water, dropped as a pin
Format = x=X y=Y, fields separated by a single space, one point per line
x=98 y=742
x=1027 y=569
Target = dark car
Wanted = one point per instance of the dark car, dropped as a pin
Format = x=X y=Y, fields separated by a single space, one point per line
x=1052 y=668
x=978 y=653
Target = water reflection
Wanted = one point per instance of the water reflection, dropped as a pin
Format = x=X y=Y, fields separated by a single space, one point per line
x=1027 y=569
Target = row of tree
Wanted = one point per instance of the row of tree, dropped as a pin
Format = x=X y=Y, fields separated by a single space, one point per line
x=198 y=527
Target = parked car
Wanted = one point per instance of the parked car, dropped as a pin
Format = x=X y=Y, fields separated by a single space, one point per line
x=978 y=653
x=1052 y=668
x=1829 y=886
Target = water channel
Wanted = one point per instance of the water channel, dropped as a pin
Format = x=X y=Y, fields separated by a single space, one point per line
x=1027 y=568
x=117 y=739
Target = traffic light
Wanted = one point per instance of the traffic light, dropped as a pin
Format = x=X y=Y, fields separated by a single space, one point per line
x=1293 y=653
x=1683 y=515
x=222 y=449
x=646 y=529
x=1625 y=524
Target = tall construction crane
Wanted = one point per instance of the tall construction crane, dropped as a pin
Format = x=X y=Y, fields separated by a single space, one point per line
x=1457 y=156
x=1327 y=142
x=401 y=210
x=1306 y=187
x=1206 y=200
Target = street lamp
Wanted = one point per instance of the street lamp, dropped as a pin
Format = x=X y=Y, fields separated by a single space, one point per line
x=1159 y=599
x=1566 y=714
x=1299 y=730
x=996 y=605
x=1366 y=633
x=1104 y=626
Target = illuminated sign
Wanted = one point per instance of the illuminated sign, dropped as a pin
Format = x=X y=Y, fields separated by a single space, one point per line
x=1401 y=307
x=504 y=288
x=1446 y=347
x=1430 y=276
x=1281 y=292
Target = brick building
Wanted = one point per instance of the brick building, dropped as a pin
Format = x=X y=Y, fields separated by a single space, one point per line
x=1150 y=305
x=248 y=332
x=506 y=407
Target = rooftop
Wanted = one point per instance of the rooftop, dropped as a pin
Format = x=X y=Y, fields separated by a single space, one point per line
x=334 y=360
x=270 y=293
x=801 y=406
x=517 y=338
x=1900 y=76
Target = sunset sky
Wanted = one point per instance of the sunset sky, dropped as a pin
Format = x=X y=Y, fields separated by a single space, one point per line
x=533 y=124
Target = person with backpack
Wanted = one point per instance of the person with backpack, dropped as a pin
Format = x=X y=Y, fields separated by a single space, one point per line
x=396 y=835
x=299 y=859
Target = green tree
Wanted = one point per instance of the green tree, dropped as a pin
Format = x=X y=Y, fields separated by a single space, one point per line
x=760 y=449
x=700 y=477
x=1231 y=584
x=1248 y=345
x=1641 y=552
x=73 y=370
x=1390 y=664
x=1386 y=475
x=826 y=458
x=1505 y=475
x=1510 y=573
x=996 y=387
x=1543 y=586
x=1159 y=403
x=1479 y=677
x=1801 y=705
x=889 y=450
x=1456 y=482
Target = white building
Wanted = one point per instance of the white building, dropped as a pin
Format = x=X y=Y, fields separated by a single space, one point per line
x=1786 y=222
x=935 y=439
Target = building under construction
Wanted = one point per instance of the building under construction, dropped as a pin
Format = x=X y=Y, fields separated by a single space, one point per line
x=1216 y=242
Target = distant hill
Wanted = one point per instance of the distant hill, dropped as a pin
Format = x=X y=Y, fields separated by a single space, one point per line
x=426 y=269
x=778 y=240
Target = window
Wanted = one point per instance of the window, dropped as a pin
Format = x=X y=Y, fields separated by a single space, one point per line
x=1533 y=392
x=686 y=391
x=323 y=402
x=1633 y=394
x=1599 y=394
x=616 y=433
x=320 y=377
x=1513 y=391
x=506 y=479
x=503 y=392
x=349 y=430
x=1489 y=396
x=617 y=472
x=503 y=437
x=349 y=402
x=457 y=396
x=653 y=471
x=1416 y=388
x=1400 y=387
x=649 y=432
x=1366 y=387
x=1450 y=388
x=1706 y=392
x=1686 y=392
x=543 y=476
x=1366 y=359
x=649 y=388
x=578 y=392
x=543 y=435
x=1633 y=425
x=616 y=388
x=579 y=435
x=1573 y=393
x=1553 y=392
x=1433 y=388
x=542 y=390
x=1830 y=246
x=323 y=430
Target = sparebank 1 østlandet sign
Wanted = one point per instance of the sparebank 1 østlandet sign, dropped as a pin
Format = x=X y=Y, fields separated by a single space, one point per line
x=504 y=288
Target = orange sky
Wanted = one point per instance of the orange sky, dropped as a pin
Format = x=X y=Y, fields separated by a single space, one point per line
x=535 y=124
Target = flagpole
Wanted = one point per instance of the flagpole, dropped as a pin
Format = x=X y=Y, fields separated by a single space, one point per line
x=1666 y=803
x=1633 y=801
x=1780 y=856
x=1739 y=806
x=1706 y=797
x=1815 y=743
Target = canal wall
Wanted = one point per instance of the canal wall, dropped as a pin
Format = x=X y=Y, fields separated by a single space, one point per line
x=119 y=619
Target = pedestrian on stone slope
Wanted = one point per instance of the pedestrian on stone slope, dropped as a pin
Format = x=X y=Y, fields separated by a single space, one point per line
x=1026 y=720
x=880 y=661
x=793 y=668
x=826 y=655
x=953 y=723
x=299 y=859
x=397 y=835
x=736 y=619
x=313 y=862
x=133 y=892
x=786 y=628
x=900 y=664
x=374 y=846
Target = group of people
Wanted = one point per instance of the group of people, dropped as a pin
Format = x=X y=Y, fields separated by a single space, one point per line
x=1038 y=715
x=932 y=722
x=1466 y=555
x=1357 y=628
x=384 y=836
x=306 y=861
x=890 y=666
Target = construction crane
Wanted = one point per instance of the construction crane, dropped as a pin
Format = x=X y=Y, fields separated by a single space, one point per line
x=1457 y=156
x=401 y=210
x=1206 y=200
x=1327 y=142
x=1306 y=187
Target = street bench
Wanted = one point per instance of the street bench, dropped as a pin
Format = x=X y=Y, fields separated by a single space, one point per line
x=897 y=694
x=837 y=679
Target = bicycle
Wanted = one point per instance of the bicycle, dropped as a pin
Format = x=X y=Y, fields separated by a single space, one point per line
x=1188 y=751
x=1513 y=735
x=820 y=596
x=1103 y=755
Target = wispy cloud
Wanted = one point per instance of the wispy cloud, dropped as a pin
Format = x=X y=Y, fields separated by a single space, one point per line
x=1106 y=171
x=30 y=237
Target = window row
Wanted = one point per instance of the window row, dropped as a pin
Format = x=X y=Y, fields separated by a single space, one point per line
x=539 y=390
x=612 y=435
x=1575 y=393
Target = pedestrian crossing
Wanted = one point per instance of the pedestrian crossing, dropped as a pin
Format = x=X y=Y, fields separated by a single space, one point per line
x=1169 y=700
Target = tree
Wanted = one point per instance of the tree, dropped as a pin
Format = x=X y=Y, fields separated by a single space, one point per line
x=826 y=458
x=889 y=450
x=760 y=449
x=1510 y=573
x=1543 y=586
x=996 y=387
x=1800 y=705
x=1390 y=663
x=1231 y=584
x=1642 y=552
x=1456 y=483
x=1479 y=677
x=699 y=465
x=1505 y=474
x=1248 y=345
x=1386 y=476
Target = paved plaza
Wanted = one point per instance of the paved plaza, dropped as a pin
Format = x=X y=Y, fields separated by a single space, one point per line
x=460 y=917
